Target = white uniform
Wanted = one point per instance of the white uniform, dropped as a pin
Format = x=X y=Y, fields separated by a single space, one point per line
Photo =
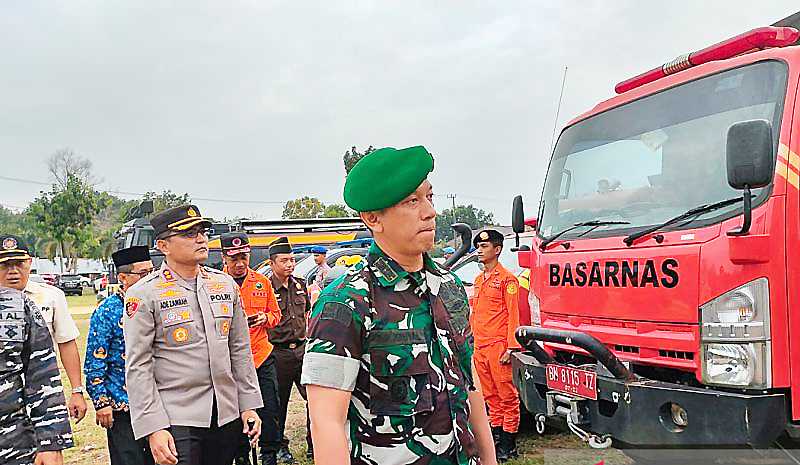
x=53 y=304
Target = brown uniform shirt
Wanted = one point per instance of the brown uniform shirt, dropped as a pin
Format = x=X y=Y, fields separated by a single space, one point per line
x=295 y=306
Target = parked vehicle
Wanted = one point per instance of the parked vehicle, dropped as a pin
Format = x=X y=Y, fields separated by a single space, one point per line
x=100 y=283
x=70 y=284
x=666 y=258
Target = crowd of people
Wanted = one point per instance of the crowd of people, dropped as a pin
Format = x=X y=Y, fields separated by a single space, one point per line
x=190 y=365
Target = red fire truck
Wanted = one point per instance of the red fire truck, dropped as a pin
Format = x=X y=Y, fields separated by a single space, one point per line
x=666 y=304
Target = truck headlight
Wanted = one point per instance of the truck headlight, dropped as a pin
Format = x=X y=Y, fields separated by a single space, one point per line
x=741 y=314
x=737 y=365
x=735 y=335
x=536 y=311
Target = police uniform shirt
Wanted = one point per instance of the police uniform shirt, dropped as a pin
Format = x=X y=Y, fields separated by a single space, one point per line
x=52 y=304
x=187 y=346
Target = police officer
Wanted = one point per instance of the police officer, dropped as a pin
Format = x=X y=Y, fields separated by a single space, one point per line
x=289 y=337
x=388 y=363
x=104 y=366
x=261 y=307
x=320 y=258
x=495 y=318
x=189 y=369
x=33 y=417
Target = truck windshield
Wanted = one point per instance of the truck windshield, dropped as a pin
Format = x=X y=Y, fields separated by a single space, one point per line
x=654 y=158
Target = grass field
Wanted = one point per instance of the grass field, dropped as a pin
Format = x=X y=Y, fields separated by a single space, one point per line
x=90 y=439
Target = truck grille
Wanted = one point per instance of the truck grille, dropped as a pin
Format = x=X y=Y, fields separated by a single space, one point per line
x=626 y=349
x=676 y=354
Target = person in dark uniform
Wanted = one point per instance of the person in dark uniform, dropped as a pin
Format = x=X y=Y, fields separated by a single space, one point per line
x=289 y=337
x=104 y=366
x=191 y=381
x=258 y=299
x=34 y=422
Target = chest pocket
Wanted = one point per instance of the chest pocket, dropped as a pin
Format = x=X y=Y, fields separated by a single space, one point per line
x=223 y=315
x=177 y=325
x=400 y=373
x=493 y=291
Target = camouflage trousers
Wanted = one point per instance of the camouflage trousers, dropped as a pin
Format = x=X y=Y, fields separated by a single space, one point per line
x=17 y=439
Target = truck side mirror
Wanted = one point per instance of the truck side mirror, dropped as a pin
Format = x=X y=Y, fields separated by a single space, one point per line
x=518 y=221
x=518 y=216
x=749 y=158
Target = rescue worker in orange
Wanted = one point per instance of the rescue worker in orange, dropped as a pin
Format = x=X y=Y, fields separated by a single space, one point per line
x=263 y=312
x=494 y=318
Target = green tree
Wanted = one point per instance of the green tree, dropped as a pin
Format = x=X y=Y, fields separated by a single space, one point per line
x=65 y=215
x=352 y=156
x=336 y=210
x=474 y=217
x=20 y=225
x=166 y=199
x=304 y=207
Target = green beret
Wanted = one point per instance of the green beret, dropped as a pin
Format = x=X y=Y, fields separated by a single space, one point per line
x=385 y=177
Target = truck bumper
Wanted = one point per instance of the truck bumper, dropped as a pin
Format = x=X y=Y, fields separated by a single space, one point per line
x=638 y=413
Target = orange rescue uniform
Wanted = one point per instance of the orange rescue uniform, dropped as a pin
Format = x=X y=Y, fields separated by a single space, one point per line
x=258 y=296
x=494 y=318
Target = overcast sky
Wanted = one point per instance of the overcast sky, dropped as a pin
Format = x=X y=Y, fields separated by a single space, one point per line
x=258 y=100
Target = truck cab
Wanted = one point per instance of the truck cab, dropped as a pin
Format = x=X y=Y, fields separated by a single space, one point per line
x=667 y=257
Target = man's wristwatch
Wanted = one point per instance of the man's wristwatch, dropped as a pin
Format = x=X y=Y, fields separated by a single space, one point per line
x=79 y=390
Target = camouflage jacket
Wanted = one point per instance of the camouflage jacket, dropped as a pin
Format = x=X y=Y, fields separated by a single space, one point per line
x=29 y=380
x=401 y=343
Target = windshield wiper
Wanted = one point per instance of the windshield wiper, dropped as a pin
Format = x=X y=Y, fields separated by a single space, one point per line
x=593 y=223
x=683 y=216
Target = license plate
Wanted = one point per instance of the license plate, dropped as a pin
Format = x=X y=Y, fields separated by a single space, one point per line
x=572 y=381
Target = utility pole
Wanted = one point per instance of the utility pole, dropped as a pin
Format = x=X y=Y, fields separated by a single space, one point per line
x=453 y=198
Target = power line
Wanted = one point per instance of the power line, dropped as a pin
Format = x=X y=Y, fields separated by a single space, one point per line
x=140 y=194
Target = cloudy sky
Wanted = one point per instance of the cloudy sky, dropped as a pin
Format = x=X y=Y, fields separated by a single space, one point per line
x=258 y=100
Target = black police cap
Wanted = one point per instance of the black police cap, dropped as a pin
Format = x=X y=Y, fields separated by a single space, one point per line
x=178 y=219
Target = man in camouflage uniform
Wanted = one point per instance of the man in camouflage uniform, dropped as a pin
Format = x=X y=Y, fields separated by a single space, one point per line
x=30 y=381
x=388 y=363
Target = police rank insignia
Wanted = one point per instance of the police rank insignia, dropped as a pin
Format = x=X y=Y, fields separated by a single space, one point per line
x=216 y=286
x=170 y=293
